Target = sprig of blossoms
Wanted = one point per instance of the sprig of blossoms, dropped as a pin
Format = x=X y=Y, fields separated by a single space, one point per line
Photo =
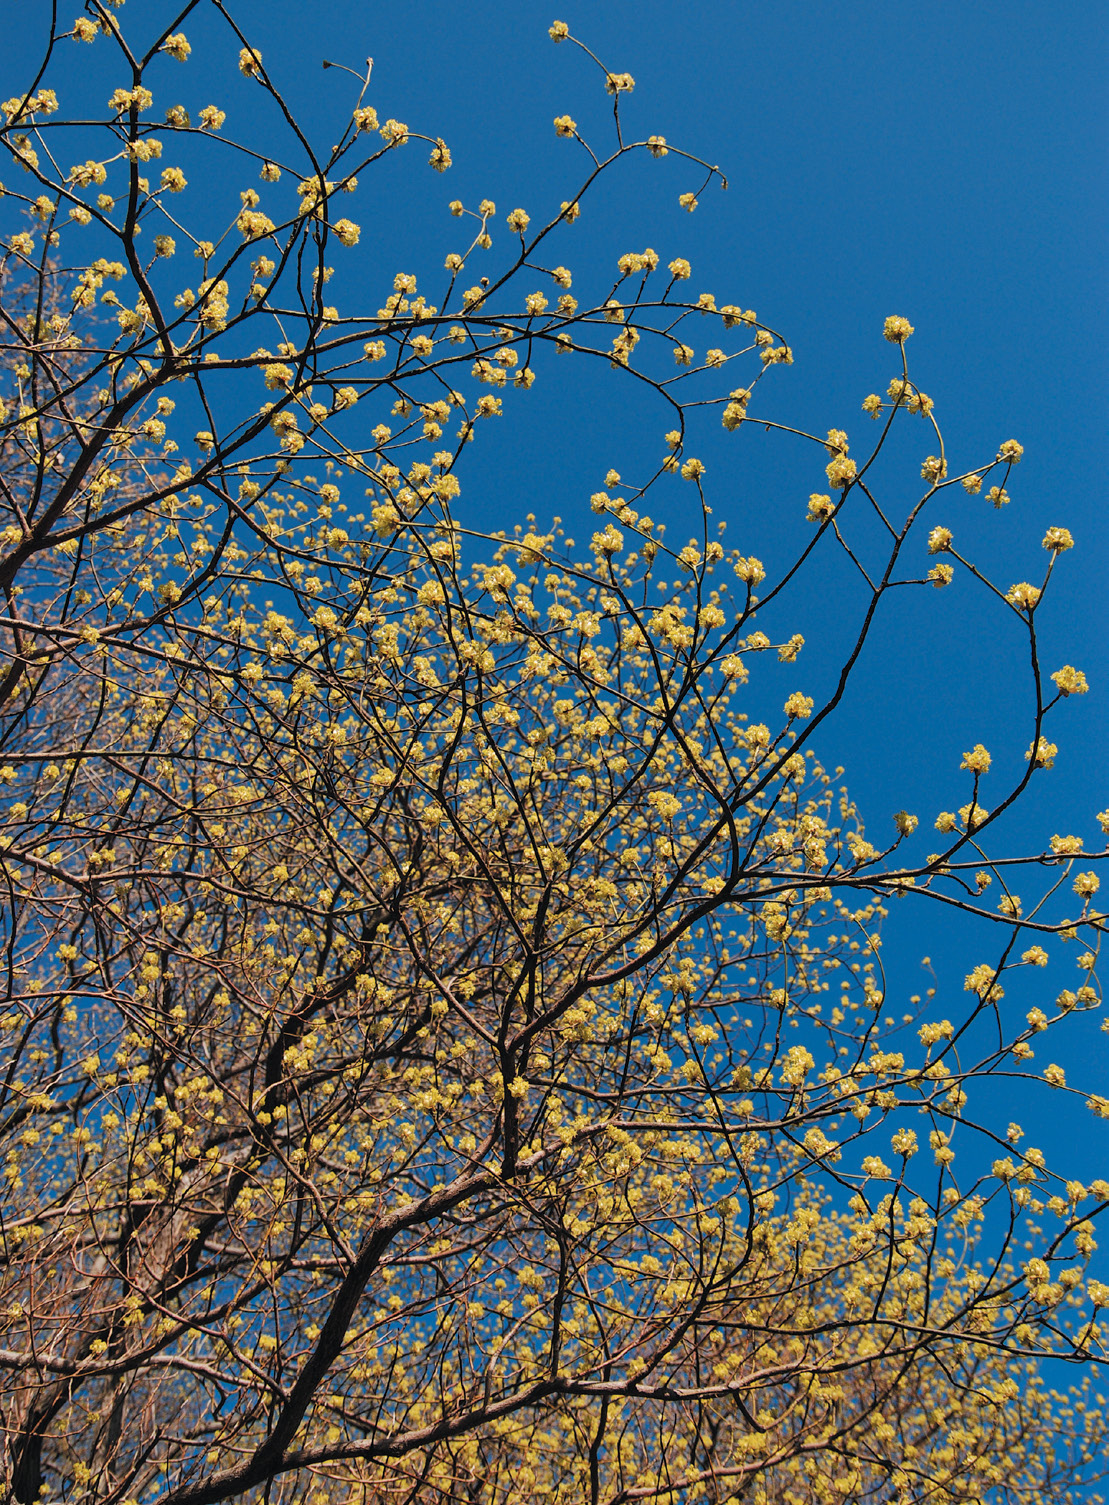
x=897 y=329
x=1058 y=540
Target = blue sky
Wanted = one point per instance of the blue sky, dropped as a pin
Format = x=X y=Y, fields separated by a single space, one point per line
x=948 y=163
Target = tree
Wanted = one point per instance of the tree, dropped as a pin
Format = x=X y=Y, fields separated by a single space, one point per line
x=418 y=1081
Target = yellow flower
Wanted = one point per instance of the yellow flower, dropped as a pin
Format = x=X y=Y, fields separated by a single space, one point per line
x=250 y=62
x=934 y=469
x=1058 y=539
x=1041 y=753
x=1066 y=846
x=981 y=981
x=559 y=31
x=750 y=570
x=977 y=760
x=840 y=472
x=666 y=804
x=564 y=126
x=876 y=1168
x=1022 y=595
x=1070 y=681
x=88 y=172
x=930 y=1033
x=897 y=330
x=253 y=225
x=611 y=541
x=1011 y=452
x=820 y=1147
x=798 y=706
x=125 y=99
x=973 y=815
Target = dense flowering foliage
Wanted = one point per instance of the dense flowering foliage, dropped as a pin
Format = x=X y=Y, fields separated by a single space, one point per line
x=445 y=1043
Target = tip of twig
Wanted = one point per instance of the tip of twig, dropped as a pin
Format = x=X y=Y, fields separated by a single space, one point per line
x=326 y=64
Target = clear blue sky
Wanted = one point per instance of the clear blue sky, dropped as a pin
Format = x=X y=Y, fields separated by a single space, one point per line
x=946 y=162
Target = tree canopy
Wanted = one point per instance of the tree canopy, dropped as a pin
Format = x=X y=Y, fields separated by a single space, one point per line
x=443 y=1040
